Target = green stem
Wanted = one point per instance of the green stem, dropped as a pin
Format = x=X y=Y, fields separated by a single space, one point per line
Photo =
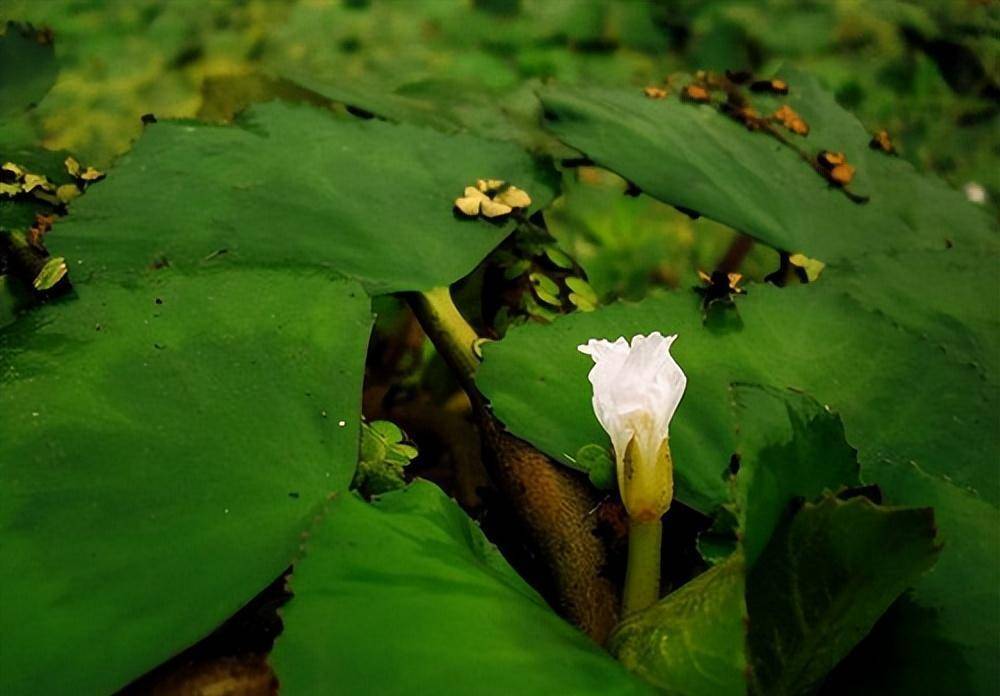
x=451 y=334
x=642 y=578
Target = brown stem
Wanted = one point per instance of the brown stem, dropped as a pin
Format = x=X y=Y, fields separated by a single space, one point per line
x=554 y=504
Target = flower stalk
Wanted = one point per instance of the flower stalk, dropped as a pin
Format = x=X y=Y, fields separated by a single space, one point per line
x=642 y=576
x=637 y=388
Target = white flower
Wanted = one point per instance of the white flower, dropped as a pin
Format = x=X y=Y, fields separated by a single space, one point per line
x=637 y=389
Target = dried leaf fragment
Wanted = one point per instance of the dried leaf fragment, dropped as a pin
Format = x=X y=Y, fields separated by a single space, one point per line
x=834 y=166
x=731 y=280
x=744 y=113
x=882 y=141
x=773 y=86
x=842 y=174
x=655 y=92
x=790 y=119
x=696 y=93
x=829 y=160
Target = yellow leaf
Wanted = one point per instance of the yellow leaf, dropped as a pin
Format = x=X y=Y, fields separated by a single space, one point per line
x=486 y=185
x=514 y=197
x=33 y=181
x=812 y=267
x=67 y=192
x=492 y=209
x=72 y=166
x=469 y=203
x=13 y=169
x=91 y=174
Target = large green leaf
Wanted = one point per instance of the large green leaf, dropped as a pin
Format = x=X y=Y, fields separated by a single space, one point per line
x=692 y=641
x=406 y=596
x=824 y=580
x=693 y=156
x=292 y=185
x=162 y=448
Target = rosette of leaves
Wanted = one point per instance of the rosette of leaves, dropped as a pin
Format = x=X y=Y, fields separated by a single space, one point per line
x=383 y=456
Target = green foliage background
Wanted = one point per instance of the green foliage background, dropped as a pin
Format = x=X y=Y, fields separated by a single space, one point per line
x=884 y=372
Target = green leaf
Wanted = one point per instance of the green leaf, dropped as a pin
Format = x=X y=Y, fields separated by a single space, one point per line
x=162 y=448
x=448 y=105
x=824 y=580
x=28 y=70
x=789 y=447
x=692 y=641
x=942 y=638
x=600 y=467
x=558 y=257
x=944 y=295
x=52 y=272
x=292 y=185
x=382 y=459
x=693 y=156
x=582 y=289
x=435 y=610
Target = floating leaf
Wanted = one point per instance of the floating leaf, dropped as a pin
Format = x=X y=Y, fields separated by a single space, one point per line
x=582 y=289
x=382 y=458
x=558 y=258
x=881 y=141
x=360 y=620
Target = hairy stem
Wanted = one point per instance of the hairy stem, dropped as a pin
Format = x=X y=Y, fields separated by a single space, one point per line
x=642 y=579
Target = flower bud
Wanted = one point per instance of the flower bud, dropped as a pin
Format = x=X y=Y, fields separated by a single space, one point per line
x=637 y=388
